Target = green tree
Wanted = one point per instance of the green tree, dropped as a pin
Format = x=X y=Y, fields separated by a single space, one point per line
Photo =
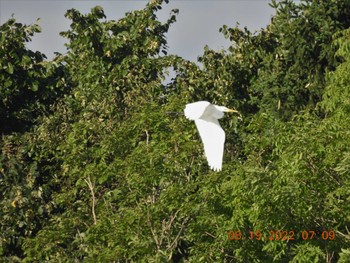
x=112 y=171
x=29 y=86
x=101 y=133
x=28 y=83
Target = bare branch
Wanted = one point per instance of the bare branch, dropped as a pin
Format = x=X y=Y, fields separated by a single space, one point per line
x=91 y=187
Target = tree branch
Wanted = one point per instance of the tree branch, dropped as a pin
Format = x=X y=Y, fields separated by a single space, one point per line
x=91 y=187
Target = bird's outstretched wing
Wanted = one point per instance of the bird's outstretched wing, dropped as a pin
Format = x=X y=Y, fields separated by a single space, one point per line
x=213 y=138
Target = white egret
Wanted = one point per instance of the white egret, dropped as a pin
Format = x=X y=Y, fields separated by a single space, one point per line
x=206 y=116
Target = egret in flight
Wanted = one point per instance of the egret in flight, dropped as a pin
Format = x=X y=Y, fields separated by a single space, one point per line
x=206 y=116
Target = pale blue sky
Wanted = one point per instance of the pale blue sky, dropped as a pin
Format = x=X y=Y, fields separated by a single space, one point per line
x=197 y=23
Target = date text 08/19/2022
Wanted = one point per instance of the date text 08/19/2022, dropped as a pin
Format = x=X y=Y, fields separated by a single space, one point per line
x=281 y=235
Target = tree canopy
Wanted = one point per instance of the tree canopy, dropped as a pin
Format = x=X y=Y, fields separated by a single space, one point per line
x=98 y=163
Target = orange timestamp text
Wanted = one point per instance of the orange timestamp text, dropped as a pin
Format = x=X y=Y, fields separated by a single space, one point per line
x=281 y=235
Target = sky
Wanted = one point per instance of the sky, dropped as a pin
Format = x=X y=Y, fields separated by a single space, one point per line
x=197 y=25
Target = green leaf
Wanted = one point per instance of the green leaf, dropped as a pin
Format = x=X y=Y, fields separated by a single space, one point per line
x=10 y=68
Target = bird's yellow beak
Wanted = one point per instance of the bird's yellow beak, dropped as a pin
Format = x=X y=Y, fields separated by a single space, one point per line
x=231 y=110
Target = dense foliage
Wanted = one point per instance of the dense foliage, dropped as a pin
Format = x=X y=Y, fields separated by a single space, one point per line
x=98 y=163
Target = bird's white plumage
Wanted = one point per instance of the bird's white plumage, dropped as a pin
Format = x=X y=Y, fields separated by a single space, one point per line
x=195 y=110
x=213 y=138
x=206 y=117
